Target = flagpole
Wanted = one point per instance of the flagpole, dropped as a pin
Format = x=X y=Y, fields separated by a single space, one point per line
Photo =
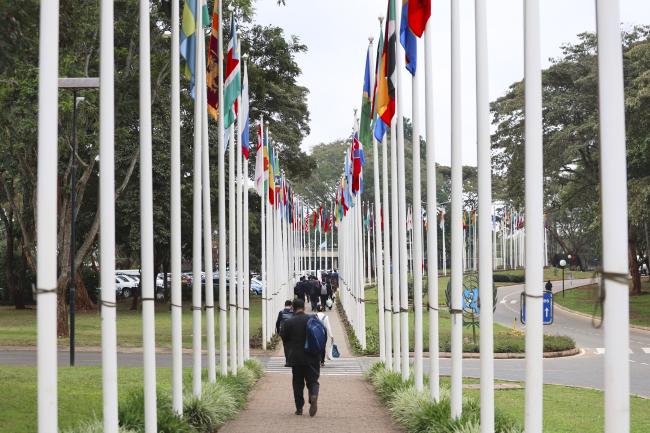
x=207 y=223
x=46 y=216
x=246 y=287
x=484 y=220
x=265 y=331
x=388 y=316
x=232 y=253
x=416 y=239
x=196 y=212
x=614 y=217
x=432 y=205
x=175 y=259
x=397 y=336
x=223 y=276
x=240 y=233
x=107 y=215
x=146 y=225
x=401 y=208
x=457 y=231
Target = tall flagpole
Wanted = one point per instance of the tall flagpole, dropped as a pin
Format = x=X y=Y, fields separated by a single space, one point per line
x=146 y=225
x=432 y=232
x=223 y=276
x=207 y=223
x=485 y=282
x=534 y=196
x=240 y=234
x=614 y=210
x=265 y=292
x=107 y=215
x=46 y=216
x=394 y=264
x=246 y=278
x=175 y=259
x=456 y=219
x=196 y=210
x=416 y=244
x=401 y=208
x=232 y=252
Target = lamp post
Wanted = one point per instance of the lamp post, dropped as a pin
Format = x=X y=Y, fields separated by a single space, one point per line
x=75 y=84
x=563 y=265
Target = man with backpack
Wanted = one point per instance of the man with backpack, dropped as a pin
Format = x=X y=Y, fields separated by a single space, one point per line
x=304 y=337
x=285 y=314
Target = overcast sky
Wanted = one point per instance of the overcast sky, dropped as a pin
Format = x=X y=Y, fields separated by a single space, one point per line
x=336 y=33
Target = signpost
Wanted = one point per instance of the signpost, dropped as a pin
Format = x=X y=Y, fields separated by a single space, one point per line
x=547 y=305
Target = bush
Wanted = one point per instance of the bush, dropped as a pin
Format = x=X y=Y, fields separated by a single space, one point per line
x=131 y=414
x=93 y=426
x=255 y=367
x=556 y=343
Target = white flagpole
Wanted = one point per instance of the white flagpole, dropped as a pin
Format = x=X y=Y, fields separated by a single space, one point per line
x=457 y=232
x=534 y=219
x=223 y=275
x=432 y=232
x=246 y=288
x=175 y=259
x=397 y=338
x=196 y=212
x=240 y=234
x=388 y=315
x=265 y=292
x=416 y=239
x=614 y=211
x=401 y=208
x=146 y=225
x=107 y=217
x=232 y=252
x=484 y=220
x=207 y=225
x=46 y=216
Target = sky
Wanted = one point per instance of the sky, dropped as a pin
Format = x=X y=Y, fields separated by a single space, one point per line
x=336 y=33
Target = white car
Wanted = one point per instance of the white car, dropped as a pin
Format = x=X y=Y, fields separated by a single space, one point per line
x=125 y=285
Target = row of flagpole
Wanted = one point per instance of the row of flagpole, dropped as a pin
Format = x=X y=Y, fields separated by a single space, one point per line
x=526 y=247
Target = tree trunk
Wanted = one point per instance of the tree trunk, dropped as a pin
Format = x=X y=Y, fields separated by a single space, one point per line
x=62 y=328
x=10 y=279
x=82 y=299
x=634 y=267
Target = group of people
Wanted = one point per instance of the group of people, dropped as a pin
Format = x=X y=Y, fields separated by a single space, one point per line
x=294 y=327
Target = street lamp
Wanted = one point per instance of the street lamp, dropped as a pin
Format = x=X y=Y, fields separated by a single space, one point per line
x=75 y=84
x=563 y=265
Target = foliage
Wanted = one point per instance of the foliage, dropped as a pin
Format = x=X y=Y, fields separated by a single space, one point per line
x=94 y=426
x=131 y=414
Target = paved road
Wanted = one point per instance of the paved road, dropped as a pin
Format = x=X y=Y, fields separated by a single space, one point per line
x=585 y=369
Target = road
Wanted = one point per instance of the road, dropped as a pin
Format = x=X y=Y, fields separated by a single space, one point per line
x=584 y=370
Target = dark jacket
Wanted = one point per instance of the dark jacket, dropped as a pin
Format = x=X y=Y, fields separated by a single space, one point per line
x=302 y=289
x=294 y=334
x=283 y=316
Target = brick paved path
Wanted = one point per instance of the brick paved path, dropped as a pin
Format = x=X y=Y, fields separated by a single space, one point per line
x=345 y=404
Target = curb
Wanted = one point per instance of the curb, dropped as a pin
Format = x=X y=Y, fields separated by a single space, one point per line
x=509 y=355
x=645 y=329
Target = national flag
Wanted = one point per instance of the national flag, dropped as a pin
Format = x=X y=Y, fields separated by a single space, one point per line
x=358 y=161
x=408 y=40
x=213 y=75
x=268 y=157
x=388 y=78
x=232 y=85
x=365 y=130
x=259 y=161
x=245 y=128
x=315 y=220
x=442 y=219
x=379 y=127
x=418 y=15
x=409 y=219
x=188 y=38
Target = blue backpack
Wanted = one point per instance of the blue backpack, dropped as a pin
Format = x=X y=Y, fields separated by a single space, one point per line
x=316 y=336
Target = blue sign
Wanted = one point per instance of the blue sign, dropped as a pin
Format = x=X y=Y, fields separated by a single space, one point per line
x=547 y=308
x=470 y=300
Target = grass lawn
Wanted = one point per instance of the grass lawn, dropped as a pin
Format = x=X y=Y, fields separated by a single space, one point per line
x=568 y=409
x=583 y=299
x=18 y=327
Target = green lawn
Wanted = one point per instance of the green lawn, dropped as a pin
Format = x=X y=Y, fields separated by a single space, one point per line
x=18 y=327
x=583 y=300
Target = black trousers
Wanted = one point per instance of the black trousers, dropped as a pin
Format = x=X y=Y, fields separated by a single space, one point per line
x=323 y=300
x=305 y=375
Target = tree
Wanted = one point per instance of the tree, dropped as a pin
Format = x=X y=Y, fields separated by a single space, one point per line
x=571 y=142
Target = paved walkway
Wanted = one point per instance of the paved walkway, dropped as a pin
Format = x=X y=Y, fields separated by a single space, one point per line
x=347 y=403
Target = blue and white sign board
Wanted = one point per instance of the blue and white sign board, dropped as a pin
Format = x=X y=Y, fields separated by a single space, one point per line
x=470 y=301
x=547 y=305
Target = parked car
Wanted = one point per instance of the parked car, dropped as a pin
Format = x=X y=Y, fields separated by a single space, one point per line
x=256 y=286
x=125 y=285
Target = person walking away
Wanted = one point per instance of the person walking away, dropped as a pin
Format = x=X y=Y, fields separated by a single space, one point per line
x=548 y=286
x=314 y=293
x=299 y=289
x=305 y=364
x=285 y=314
x=325 y=294
x=326 y=322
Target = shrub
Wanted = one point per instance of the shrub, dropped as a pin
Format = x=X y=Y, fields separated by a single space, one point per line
x=556 y=343
x=93 y=426
x=131 y=414
x=255 y=367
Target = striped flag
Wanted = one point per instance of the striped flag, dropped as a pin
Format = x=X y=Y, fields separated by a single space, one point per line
x=259 y=161
x=188 y=38
x=232 y=86
x=245 y=126
x=418 y=14
x=379 y=128
x=408 y=40
x=365 y=132
x=213 y=76
x=387 y=78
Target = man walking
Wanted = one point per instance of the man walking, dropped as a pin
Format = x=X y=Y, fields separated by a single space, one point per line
x=305 y=366
x=283 y=316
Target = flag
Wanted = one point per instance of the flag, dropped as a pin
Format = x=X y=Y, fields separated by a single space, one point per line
x=418 y=14
x=408 y=40
x=379 y=128
x=442 y=219
x=213 y=76
x=188 y=38
x=358 y=161
x=386 y=89
x=259 y=161
x=409 y=219
x=315 y=222
x=268 y=158
x=365 y=133
x=232 y=85
x=245 y=126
